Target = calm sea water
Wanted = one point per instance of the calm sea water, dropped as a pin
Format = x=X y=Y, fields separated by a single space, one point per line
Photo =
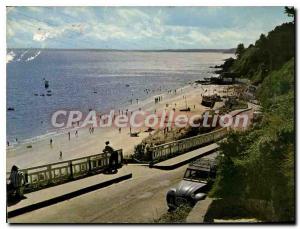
x=74 y=76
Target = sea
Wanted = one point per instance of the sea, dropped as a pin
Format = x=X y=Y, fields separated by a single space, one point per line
x=91 y=79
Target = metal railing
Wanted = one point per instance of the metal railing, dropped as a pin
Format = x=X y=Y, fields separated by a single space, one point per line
x=181 y=146
x=61 y=172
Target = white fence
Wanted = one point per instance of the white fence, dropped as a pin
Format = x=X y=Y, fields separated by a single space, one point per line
x=60 y=172
x=181 y=146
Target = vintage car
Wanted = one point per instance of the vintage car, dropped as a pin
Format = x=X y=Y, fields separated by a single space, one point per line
x=196 y=182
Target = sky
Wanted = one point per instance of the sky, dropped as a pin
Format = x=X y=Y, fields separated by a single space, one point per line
x=139 y=27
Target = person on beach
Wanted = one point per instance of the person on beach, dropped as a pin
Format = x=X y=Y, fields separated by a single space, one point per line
x=7 y=143
x=119 y=130
x=51 y=142
x=69 y=135
x=76 y=133
x=60 y=155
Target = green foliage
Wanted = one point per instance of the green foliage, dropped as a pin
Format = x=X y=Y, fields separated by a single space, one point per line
x=177 y=216
x=290 y=11
x=269 y=53
x=259 y=163
x=239 y=50
x=277 y=83
x=226 y=66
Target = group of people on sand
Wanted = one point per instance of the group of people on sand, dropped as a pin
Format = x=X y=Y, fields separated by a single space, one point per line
x=60 y=152
x=91 y=129
x=170 y=91
x=8 y=143
x=113 y=160
x=158 y=99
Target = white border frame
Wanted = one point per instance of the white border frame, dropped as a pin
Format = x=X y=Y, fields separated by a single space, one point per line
x=5 y=3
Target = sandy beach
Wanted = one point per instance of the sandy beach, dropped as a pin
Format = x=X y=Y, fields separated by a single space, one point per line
x=88 y=144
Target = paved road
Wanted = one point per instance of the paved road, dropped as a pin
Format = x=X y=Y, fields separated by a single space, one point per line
x=138 y=200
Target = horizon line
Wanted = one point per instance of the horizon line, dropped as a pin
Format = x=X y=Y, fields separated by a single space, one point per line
x=136 y=50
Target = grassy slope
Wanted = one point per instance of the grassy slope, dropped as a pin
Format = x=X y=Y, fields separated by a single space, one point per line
x=259 y=164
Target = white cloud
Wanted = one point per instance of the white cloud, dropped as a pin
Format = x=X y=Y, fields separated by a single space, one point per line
x=35 y=9
x=199 y=37
x=125 y=26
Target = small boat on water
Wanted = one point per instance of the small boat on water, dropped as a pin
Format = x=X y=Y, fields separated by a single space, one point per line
x=48 y=94
x=10 y=109
x=46 y=84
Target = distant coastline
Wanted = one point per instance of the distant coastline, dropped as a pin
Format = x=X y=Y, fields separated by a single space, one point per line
x=230 y=50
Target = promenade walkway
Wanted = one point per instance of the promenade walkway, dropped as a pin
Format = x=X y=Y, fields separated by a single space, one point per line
x=58 y=193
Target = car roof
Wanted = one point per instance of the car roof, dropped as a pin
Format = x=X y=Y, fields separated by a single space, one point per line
x=203 y=164
x=199 y=168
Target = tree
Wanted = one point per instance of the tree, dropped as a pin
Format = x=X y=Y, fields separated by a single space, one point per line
x=240 y=50
x=290 y=11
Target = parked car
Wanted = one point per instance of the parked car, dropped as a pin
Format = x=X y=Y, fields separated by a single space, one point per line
x=196 y=182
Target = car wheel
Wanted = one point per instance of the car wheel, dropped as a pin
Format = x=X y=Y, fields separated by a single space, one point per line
x=171 y=203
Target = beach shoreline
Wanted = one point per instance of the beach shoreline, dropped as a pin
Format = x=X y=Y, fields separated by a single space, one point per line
x=88 y=144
